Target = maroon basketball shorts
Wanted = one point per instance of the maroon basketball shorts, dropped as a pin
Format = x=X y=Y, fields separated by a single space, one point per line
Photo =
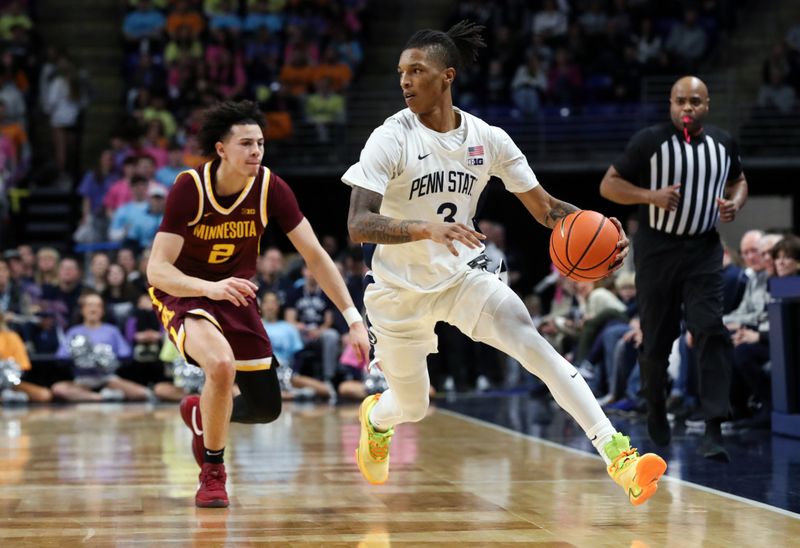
x=240 y=325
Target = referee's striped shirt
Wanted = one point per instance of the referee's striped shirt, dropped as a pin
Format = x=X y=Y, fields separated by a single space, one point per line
x=659 y=156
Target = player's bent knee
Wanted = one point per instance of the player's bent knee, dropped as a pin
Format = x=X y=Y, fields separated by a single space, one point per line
x=267 y=412
x=416 y=411
x=220 y=371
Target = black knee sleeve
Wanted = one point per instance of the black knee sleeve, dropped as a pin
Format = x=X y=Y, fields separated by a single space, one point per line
x=260 y=400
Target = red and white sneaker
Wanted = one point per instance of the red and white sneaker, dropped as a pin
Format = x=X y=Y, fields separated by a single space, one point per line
x=212 y=493
x=190 y=413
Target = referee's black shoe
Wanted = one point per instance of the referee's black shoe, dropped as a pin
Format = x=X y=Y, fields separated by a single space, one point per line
x=657 y=424
x=711 y=444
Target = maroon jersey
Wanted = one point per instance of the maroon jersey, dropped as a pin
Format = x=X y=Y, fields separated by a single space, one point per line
x=221 y=233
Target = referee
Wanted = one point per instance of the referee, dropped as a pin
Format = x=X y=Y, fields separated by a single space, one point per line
x=686 y=176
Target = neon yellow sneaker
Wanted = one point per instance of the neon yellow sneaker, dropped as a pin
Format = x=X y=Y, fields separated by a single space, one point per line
x=637 y=474
x=372 y=453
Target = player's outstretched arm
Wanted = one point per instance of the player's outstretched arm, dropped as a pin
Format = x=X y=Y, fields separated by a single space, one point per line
x=163 y=274
x=366 y=224
x=543 y=207
x=321 y=266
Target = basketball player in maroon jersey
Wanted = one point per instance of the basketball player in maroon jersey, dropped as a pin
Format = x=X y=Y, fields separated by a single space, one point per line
x=202 y=260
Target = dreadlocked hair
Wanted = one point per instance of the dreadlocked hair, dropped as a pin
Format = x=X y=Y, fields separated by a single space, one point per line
x=454 y=48
x=219 y=119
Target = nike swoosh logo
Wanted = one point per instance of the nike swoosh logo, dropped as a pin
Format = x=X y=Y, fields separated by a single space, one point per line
x=421 y=157
x=207 y=215
x=594 y=438
x=575 y=374
x=195 y=429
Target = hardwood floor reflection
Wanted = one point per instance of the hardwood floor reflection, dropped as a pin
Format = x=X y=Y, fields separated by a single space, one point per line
x=100 y=475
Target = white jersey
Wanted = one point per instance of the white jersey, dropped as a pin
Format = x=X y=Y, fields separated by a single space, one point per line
x=431 y=176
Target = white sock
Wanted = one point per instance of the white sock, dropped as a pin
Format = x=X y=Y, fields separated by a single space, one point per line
x=600 y=434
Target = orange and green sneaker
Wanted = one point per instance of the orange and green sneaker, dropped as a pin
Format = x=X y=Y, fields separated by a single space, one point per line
x=637 y=474
x=372 y=453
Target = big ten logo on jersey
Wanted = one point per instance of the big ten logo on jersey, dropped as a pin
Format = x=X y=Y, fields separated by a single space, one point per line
x=475 y=155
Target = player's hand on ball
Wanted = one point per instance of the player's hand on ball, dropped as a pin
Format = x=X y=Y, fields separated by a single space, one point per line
x=447 y=233
x=623 y=245
x=359 y=340
x=235 y=290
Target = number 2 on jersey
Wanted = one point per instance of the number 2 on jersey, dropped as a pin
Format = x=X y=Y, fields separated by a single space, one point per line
x=220 y=253
x=451 y=209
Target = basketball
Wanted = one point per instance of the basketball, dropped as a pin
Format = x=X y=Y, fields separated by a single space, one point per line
x=583 y=245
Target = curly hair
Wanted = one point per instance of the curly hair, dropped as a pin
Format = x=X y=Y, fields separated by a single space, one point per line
x=219 y=119
x=454 y=48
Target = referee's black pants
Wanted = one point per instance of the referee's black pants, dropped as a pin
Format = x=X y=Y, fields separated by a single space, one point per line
x=675 y=275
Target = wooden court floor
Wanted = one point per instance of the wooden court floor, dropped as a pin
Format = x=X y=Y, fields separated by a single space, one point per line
x=123 y=475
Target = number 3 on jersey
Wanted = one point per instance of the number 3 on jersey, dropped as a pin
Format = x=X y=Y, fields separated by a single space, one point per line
x=220 y=253
x=451 y=209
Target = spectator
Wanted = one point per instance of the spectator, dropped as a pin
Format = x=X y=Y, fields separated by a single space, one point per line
x=336 y=71
x=16 y=134
x=93 y=188
x=96 y=278
x=12 y=98
x=224 y=17
x=143 y=27
x=120 y=191
x=752 y=309
x=126 y=214
x=62 y=298
x=528 y=86
x=14 y=16
x=184 y=43
x=325 y=108
x=285 y=337
x=564 y=80
x=550 y=23
x=270 y=277
x=63 y=104
x=13 y=348
x=47 y=260
x=260 y=16
x=776 y=96
x=648 y=44
x=13 y=303
x=184 y=16
x=297 y=74
x=96 y=385
x=154 y=144
x=310 y=311
x=226 y=75
x=143 y=228
x=157 y=110
x=687 y=42
x=119 y=294
x=166 y=174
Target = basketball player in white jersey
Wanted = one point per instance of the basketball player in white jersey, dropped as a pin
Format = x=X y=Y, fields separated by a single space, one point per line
x=415 y=189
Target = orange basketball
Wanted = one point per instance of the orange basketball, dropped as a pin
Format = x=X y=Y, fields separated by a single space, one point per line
x=583 y=245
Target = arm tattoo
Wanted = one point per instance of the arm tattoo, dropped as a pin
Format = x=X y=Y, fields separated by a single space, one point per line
x=558 y=211
x=366 y=224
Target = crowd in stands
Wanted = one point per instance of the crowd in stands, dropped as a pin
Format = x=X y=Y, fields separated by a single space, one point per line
x=570 y=53
x=294 y=57
x=780 y=77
